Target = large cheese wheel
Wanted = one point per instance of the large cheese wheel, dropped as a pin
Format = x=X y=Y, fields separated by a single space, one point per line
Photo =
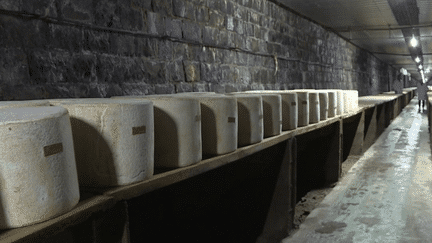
x=272 y=110
x=324 y=105
x=23 y=103
x=219 y=121
x=332 y=110
x=303 y=108
x=177 y=129
x=113 y=139
x=289 y=106
x=250 y=118
x=314 y=107
x=38 y=175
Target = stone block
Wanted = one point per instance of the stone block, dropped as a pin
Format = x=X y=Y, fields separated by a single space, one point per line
x=73 y=39
x=179 y=50
x=184 y=9
x=45 y=67
x=125 y=45
x=200 y=87
x=164 y=89
x=231 y=88
x=83 y=11
x=232 y=39
x=202 y=14
x=249 y=29
x=183 y=87
x=191 y=31
x=165 y=50
x=192 y=71
x=45 y=8
x=140 y=5
x=241 y=58
x=154 y=72
x=239 y=26
x=230 y=7
x=137 y=89
x=154 y=23
x=230 y=23
x=254 y=17
x=163 y=7
x=257 y=31
x=15 y=32
x=227 y=74
x=147 y=47
x=217 y=88
x=226 y=56
x=210 y=35
x=217 y=20
x=14 y=67
x=175 y=71
x=10 y=5
x=240 y=13
x=210 y=73
x=214 y=5
x=222 y=38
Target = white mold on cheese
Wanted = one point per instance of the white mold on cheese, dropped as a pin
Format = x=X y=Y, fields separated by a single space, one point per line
x=38 y=175
x=272 y=110
x=314 y=107
x=23 y=103
x=177 y=129
x=250 y=118
x=219 y=122
x=113 y=139
x=324 y=105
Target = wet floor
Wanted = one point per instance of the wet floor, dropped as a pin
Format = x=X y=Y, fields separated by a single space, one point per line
x=386 y=196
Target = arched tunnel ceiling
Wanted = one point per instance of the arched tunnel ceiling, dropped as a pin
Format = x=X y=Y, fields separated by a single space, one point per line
x=382 y=27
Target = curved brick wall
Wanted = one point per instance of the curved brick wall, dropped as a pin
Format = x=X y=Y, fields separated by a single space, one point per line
x=83 y=48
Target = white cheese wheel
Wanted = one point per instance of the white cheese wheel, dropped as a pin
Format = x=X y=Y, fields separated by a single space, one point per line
x=23 y=103
x=250 y=118
x=219 y=121
x=177 y=130
x=113 y=140
x=289 y=106
x=314 y=107
x=272 y=110
x=303 y=108
x=38 y=175
x=332 y=110
x=324 y=105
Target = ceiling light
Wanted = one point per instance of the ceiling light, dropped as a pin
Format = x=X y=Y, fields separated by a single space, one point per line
x=417 y=59
x=420 y=67
x=414 y=42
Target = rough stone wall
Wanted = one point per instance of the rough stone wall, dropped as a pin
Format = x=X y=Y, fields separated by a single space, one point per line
x=90 y=48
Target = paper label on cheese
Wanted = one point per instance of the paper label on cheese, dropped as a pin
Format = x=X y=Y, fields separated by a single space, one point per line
x=138 y=130
x=53 y=149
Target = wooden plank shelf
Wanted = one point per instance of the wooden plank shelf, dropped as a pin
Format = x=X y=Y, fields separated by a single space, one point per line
x=82 y=211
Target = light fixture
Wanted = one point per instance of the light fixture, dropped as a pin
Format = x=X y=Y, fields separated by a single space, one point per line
x=427 y=70
x=420 y=67
x=414 y=42
x=417 y=59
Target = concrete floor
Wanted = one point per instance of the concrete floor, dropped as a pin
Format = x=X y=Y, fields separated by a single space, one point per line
x=386 y=196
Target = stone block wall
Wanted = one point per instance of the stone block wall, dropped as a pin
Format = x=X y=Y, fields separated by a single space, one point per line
x=90 y=48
